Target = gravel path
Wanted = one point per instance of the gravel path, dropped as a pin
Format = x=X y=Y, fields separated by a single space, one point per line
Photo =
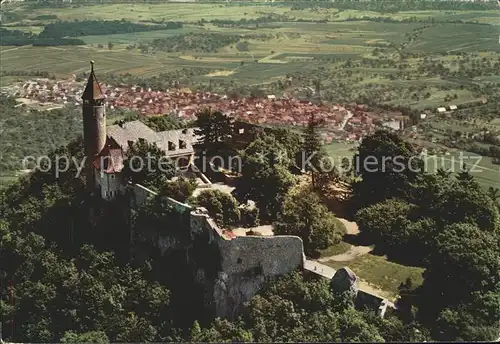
x=355 y=251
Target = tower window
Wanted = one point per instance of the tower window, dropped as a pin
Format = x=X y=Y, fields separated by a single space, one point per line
x=182 y=144
x=171 y=146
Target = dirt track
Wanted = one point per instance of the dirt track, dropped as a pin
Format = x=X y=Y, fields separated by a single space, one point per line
x=354 y=251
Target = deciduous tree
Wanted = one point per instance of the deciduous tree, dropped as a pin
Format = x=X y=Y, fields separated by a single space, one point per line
x=147 y=164
x=304 y=215
x=222 y=206
x=214 y=129
x=265 y=175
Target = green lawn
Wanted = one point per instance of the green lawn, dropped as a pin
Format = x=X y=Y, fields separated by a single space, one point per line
x=333 y=250
x=380 y=272
x=337 y=149
x=136 y=37
x=486 y=173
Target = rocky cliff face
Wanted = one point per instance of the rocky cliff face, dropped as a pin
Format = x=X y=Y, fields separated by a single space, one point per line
x=232 y=291
x=167 y=242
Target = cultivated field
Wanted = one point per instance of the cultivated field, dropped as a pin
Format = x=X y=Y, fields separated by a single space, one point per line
x=423 y=64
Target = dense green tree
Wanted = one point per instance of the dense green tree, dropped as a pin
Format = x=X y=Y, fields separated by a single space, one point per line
x=157 y=217
x=265 y=176
x=53 y=295
x=221 y=331
x=147 y=164
x=294 y=309
x=98 y=337
x=465 y=177
x=450 y=226
x=30 y=133
x=77 y=28
x=165 y=122
x=180 y=190
x=311 y=152
x=220 y=205
x=304 y=215
x=387 y=165
x=385 y=222
x=214 y=129
x=461 y=286
x=494 y=194
x=291 y=141
x=448 y=200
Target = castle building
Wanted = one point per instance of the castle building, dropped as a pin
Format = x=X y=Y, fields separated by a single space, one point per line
x=106 y=146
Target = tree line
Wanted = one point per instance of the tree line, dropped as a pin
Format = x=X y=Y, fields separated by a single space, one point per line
x=198 y=42
x=19 y=38
x=443 y=222
x=394 y=7
x=77 y=28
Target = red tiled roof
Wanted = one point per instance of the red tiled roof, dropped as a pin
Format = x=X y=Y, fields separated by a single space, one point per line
x=111 y=157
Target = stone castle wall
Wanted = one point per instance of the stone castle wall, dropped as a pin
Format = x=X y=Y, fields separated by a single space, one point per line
x=142 y=194
x=244 y=263
x=248 y=263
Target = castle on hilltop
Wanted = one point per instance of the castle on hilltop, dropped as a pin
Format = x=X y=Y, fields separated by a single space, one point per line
x=230 y=269
x=106 y=146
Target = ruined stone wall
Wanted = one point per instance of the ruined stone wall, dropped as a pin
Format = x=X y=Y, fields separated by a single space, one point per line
x=142 y=194
x=274 y=255
x=249 y=262
x=232 y=271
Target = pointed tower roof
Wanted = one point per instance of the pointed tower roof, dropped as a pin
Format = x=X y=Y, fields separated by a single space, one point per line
x=92 y=90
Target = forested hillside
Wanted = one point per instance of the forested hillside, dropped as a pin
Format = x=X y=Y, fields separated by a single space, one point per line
x=69 y=281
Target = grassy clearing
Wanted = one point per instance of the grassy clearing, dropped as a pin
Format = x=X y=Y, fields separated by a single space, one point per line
x=136 y=37
x=482 y=168
x=333 y=250
x=33 y=29
x=340 y=150
x=437 y=97
x=381 y=273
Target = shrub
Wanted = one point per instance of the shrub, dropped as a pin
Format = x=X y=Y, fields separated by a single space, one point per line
x=249 y=216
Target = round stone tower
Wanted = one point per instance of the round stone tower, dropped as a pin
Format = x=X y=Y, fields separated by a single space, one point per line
x=94 y=123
